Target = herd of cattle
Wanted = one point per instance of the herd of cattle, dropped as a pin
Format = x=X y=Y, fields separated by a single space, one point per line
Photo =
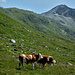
x=35 y=58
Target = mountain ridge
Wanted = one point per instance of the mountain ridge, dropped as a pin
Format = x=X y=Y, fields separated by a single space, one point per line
x=62 y=10
x=55 y=24
x=62 y=14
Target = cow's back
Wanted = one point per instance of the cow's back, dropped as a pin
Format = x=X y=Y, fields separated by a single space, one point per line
x=43 y=60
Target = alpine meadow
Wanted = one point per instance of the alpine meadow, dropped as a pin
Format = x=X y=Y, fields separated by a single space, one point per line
x=51 y=33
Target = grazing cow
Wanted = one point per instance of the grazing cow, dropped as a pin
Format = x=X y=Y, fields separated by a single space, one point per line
x=51 y=60
x=29 y=59
x=46 y=59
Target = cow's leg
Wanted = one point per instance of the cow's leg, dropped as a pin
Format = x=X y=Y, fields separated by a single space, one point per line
x=40 y=65
x=43 y=65
x=48 y=64
x=19 y=64
x=24 y=60
x=35 y=64
x=32 y=65
x=23 y=65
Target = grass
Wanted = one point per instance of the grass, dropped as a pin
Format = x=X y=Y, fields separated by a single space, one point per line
x=39 y=22
x=9 y=65
x=30 y=41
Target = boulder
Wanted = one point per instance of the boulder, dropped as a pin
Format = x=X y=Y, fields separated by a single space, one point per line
x=15 y=49
x=68 y=63
x=12 y=41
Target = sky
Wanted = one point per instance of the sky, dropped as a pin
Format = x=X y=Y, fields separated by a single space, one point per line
x=37 y=6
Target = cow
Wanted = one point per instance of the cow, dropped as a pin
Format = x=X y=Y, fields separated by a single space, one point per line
x=46 y=59
x=29 y=59
x=51 y=61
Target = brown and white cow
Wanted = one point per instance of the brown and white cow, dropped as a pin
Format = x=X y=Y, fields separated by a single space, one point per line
x=51 y=60
x=46 y=59
x=29 y=59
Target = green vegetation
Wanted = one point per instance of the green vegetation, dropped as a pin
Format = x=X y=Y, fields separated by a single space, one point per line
x=30 y=40
x=41 y=23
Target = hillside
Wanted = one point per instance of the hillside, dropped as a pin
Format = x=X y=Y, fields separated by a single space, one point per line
x=43 y=24
x=28 y=40
x=64 y=15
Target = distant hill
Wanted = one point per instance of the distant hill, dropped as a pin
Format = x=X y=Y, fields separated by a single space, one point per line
x=53 y=21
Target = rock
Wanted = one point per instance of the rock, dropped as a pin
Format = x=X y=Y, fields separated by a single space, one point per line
x=12 y=40
x=1 y=38
x=10 y=44
x=20 y=44
x=68 y=63
x=37 y=34
x=46 y=46
x=25 y=52
x=12 y=52
x=43 y=36
x=4 y=25
x=22 y=51
x=17 y=56
x=15 y=50
x=52 y=39
x=56 y=48
x=33 y=43
x=25 y=28
x=13 y=45
x=65 y=47
x=4 y=49
x=38 y=50
x=33 y=52
x=13 y=56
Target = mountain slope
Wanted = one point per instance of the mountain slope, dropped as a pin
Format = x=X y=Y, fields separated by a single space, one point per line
x=29 y=40
x=62 y=10
x=64 y=15
x=58 y=25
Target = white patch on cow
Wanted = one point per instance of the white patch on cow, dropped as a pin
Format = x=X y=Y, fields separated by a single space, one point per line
x=40 y=56
x=48 y=59
x=24 y=58
x=31 y=56
x=50 y=56
x=54 y=62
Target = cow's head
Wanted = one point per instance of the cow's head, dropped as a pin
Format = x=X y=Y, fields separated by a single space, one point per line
x=51 y=60
x=54 y=62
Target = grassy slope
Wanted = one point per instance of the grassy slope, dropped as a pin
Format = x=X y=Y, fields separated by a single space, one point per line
x=33 y=41
x=39 y=22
